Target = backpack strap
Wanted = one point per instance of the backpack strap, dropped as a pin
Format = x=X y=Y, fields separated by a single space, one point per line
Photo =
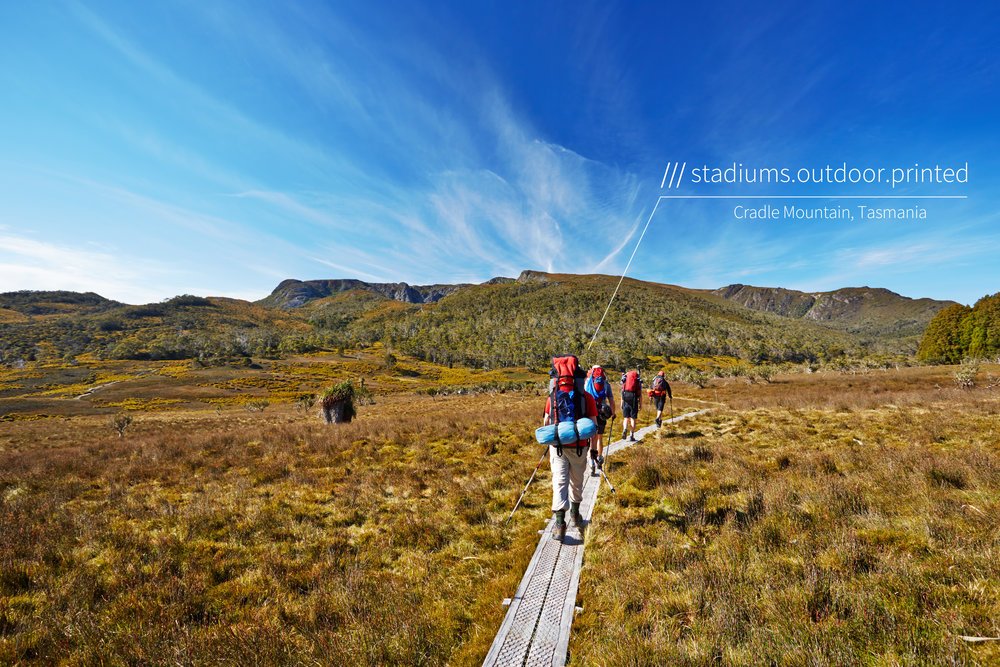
x=579 y=408
x=581 y=411
x=554 y=414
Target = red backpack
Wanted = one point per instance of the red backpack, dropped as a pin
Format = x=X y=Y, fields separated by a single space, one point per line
x=567 y=398
x=566 y=372
x=631 y=382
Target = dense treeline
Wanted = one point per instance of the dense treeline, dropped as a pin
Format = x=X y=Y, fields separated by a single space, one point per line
x=959 y=331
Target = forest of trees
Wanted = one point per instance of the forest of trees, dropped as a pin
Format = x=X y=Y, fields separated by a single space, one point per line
x=958 y=332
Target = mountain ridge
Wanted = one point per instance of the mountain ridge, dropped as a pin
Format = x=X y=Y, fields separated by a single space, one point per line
x=874 y=311
x=294 y=293
x=502 y=321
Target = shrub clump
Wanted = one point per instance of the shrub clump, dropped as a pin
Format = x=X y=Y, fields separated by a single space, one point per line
x=965 y=376
x=120 y=422
x=338 y=402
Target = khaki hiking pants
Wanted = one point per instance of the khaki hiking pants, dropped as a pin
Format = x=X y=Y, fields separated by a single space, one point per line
x=568 y=473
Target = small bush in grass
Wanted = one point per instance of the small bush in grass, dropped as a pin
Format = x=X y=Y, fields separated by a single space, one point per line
x=647 y=477
x=120 y=422
x=761 y=374
x=965 y=376
x=305 y=402
x=691 y=375
x=338 y=402
x=701 y=453
x=948 y=477
x=257 y=405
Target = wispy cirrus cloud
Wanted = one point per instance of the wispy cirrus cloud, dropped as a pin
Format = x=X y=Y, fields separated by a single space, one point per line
x=474 y=188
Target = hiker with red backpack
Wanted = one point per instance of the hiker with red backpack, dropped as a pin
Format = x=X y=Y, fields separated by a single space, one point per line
x=599 y=387
x=631 y=402
x=659 y=393
x=568 y=407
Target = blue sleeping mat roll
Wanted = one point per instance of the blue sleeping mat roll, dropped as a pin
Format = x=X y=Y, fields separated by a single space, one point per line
x=585 y=429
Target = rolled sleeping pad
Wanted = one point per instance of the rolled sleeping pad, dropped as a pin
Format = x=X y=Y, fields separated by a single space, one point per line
x=585 y=429
x=546 y=435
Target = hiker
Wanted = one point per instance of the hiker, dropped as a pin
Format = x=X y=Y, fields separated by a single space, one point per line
x=660 y=393
x=599 y=387
x=631 y=402
x=568 y=401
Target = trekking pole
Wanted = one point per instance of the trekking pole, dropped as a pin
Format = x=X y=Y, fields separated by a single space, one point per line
x=671 y=408
x=603 y=465
x=530 y=479
x=608 y=479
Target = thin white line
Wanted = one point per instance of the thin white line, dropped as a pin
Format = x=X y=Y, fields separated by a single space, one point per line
x=814 y=196
x=664 y=175
x=683 y=167
x=672 y=174
x=622 y=279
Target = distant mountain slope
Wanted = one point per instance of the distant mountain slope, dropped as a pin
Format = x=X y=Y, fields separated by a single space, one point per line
x=60 y=302
x=502 y=322
x=66 y=324
x=871 y=312
x=525 y=321
x=293 y=293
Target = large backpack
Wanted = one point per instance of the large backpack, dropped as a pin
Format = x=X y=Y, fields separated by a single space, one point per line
x=597 y=384
x=660 y=384
x=631 y=383
x=567 y=396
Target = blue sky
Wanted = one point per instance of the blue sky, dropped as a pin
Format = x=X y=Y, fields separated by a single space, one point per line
x=153 y=149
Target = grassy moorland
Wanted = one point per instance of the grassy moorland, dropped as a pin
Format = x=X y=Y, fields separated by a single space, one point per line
x=824 y=519
x=815 y=520
x=264 y=538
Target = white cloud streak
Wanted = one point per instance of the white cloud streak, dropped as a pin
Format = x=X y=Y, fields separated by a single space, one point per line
x=475 y=191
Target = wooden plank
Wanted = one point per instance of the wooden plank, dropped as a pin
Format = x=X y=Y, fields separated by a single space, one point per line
x=536 y=629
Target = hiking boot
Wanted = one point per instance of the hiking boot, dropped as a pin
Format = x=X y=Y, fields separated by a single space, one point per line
x=559 y=529
x=574 y=514
x=659 y=422
x=593 y=469
x=632 y=437
x=624 y=434
x=600 y=462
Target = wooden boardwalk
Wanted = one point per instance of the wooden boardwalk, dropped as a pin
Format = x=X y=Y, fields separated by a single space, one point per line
x=536 y=629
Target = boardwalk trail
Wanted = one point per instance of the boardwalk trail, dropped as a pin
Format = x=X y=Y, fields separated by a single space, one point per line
x=536 y=629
